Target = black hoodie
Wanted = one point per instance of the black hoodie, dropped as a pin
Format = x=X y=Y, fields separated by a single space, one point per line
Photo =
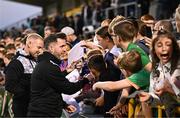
x=47 y=84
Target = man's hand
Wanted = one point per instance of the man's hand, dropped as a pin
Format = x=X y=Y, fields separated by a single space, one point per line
x=75 y=65
x=70 y=108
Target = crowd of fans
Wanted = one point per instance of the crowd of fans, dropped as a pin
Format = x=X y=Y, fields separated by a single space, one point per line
x=93 y=13
x=125 y=59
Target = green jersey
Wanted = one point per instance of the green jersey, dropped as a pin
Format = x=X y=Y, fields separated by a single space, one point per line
x=141 y=78
x=144 y=57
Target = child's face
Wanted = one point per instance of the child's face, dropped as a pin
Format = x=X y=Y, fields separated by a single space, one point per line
x=65 y=55
x=163 y=49
x=102 y=42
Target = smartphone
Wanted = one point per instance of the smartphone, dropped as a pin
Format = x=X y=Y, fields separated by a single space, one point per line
x=148 y=32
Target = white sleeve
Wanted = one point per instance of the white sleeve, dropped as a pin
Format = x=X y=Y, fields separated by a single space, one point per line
x=156 y=99
x=174 y=77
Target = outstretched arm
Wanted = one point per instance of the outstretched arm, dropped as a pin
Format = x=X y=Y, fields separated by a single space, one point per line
x=112 y=86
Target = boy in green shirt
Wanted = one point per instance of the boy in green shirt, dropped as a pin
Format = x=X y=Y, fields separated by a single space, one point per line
x=123 y=34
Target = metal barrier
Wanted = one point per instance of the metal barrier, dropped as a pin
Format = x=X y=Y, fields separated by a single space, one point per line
x=125 y=9
x=134 y=108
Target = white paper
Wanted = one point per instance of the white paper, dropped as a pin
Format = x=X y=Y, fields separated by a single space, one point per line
x=116 y=51
x=73 y=76
x=76 y=53
x=70 y=97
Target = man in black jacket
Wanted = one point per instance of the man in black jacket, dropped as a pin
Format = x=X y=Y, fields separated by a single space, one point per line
x=18 y=73
x=48 y=82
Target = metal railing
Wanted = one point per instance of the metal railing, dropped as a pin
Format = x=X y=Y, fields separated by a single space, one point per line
x=125 y=9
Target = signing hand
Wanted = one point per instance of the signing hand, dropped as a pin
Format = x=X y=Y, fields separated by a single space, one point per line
x=70 y=108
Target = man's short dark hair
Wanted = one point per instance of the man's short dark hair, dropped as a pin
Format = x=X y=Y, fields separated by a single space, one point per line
x=50 y=39
x=61 y=35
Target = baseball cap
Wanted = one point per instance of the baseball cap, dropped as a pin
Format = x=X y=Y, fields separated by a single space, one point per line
x=67 y=30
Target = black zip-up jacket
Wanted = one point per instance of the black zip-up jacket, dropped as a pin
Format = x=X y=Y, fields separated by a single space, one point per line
x=18 y=75
x=47 y=84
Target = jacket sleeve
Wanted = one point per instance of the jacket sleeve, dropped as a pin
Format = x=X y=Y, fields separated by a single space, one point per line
x=65 y=105
x=13 y=74
x=58 y=81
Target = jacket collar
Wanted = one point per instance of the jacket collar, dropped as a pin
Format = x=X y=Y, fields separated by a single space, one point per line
x=22 y=53
x=47 y=56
